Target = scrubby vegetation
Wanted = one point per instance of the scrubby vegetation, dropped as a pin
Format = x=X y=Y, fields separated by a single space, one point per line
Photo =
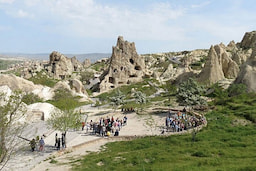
x=147 y=87
x=43 y=79
x=64 y=100
x=31 y=98
x=86 y=76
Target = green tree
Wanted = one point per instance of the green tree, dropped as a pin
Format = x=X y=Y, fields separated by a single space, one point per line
x=170 y=89
x=190 y=93
x=86 y=76
x=140 y=98
x=117 y=99
x=65 y=120
x=12 y=111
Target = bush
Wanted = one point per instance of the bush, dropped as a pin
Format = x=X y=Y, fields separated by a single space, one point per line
x=64 y=100
x=236 y=89
x=31 y=98
x=86 y=76
x=190 y=93
x=43 y=80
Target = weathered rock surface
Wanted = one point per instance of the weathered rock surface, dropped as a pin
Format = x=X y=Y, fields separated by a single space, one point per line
x=86 y=63
x=77 y=86
x=18 y=83
x=39 y=111
x=74 y=86
x=61 y=67
x=247 y=74
x=31 y=69
x=212 y=71
x=44 y=92
x=126 y=66
x=229 y=67
x=249 y=40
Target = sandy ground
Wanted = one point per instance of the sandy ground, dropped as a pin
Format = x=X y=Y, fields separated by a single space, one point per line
x=80 y=142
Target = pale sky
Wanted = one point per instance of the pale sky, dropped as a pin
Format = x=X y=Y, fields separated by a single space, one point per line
x=92 y=26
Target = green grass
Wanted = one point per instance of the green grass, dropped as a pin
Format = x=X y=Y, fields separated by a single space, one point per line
x=222 y=145
x=43 y=80
x=144 y=87
x=64 y=100
x=99 y=66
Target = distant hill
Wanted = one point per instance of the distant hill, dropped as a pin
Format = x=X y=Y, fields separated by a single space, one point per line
x=45 y=56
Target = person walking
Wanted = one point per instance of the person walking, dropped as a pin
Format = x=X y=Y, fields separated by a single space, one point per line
x=33 y=144
x=41 y=143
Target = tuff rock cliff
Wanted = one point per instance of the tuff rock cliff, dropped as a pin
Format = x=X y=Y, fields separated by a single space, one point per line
x=125 y=67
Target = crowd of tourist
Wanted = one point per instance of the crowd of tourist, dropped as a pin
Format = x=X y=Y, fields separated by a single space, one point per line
x=106 y=126
x=180 y=120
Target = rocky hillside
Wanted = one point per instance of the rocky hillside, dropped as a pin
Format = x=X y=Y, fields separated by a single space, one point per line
x=234 y=62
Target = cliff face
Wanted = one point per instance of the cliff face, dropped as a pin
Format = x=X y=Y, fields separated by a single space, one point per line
x=61 y=66
x=212 y=71
x=249 y=40
x=234 y=61
x=126 y=66
x=247 y=75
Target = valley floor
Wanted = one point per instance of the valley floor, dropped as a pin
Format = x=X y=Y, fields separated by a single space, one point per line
x=80 y=142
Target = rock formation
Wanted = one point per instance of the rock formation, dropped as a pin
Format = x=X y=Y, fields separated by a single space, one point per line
x=212 y=71
x=74 y=86
x=249 y=40
x=17 y=83
x=229 y=67
x=44 y=92
x=61 y=67
x=31 y=69
x=39 y=111
x=126 y=66
x=77 y=86
x=86 y=63
x=247 y=74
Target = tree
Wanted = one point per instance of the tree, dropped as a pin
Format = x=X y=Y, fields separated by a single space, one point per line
x=118 y=99
x=190 y=93
x=140 y=98
x=86 y=76
x=12 y=111
x=65 y=120
x=171 y=89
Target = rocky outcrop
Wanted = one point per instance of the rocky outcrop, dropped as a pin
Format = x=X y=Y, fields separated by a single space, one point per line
x=39 y=111
x=126 y=66
x=249 y=40
x=77 y=86
x=31 y=69
x=46 y=93
x=86 y=63
x=212 y=71
x=229 y=67
x=17 y=83
x=247 y=74
x=61 y=67
x=220 y=64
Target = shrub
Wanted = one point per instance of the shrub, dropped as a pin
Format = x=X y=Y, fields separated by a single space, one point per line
x=42 y=79
x=64 y=100
x=86 y=76
x=31 y=98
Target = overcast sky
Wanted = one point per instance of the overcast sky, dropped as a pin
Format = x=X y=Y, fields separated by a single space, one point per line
x=88 y=26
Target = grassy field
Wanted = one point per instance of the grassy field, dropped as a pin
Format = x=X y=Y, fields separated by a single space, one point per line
x=227 y=143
